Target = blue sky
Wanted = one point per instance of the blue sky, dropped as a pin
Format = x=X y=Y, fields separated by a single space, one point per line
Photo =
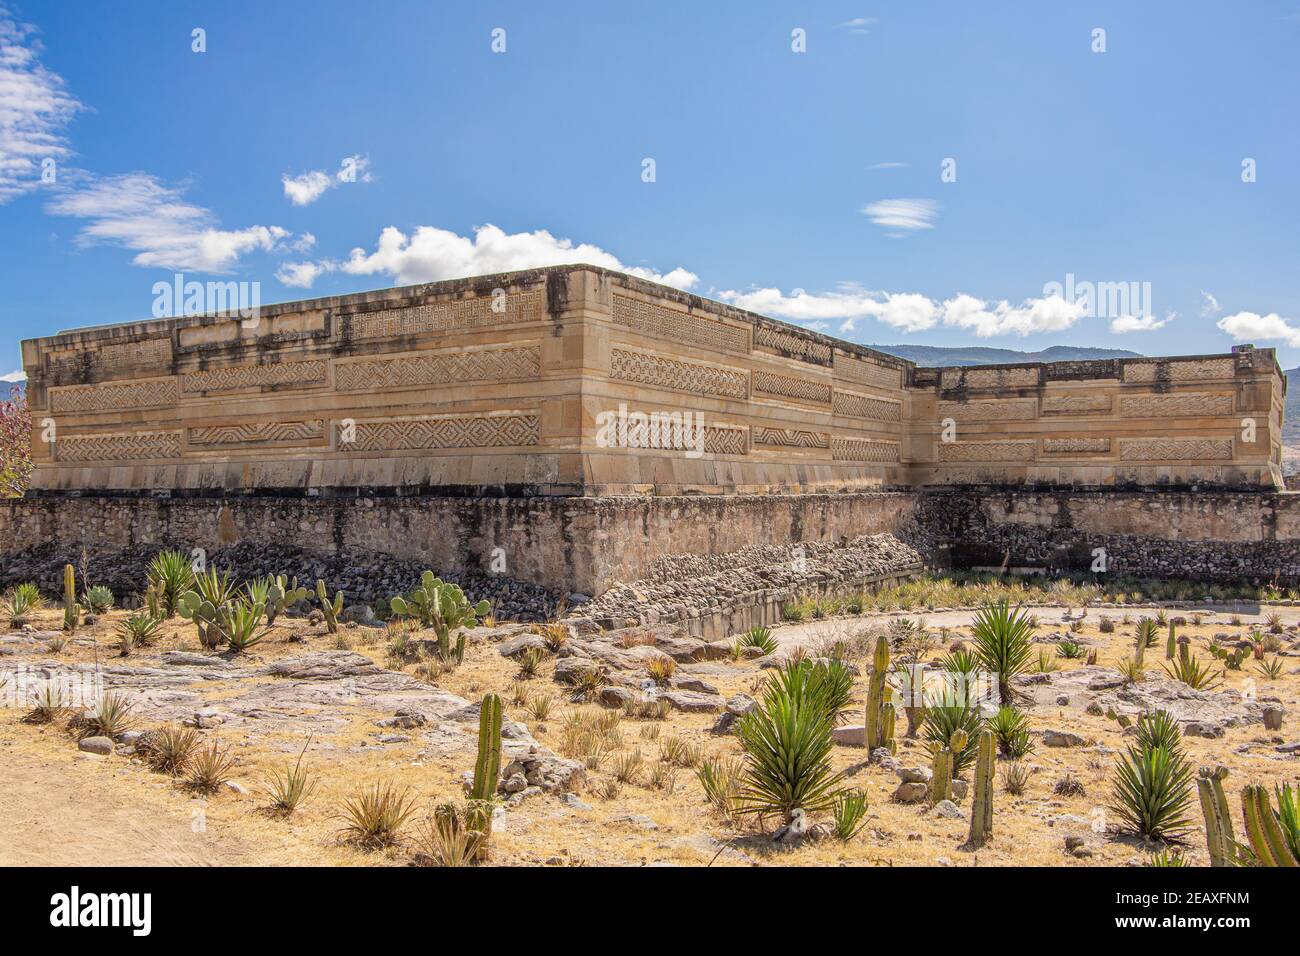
x=808 y=185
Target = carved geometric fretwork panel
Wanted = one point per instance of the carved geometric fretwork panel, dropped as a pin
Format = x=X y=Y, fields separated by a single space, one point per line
x=645 y=369
x=1176 y=449
x=986 y=451
x=134 y=446
x=650 y=319
x=867 y=406
x=448 y=368
x=112 y=396
x=450 y=316
x=452 y=431
x=1173 y=406
x=1013 y=410
x=787 y=386
x=259 y=433
x=235 y=377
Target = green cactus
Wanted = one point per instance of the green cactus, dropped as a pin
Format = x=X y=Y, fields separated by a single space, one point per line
x=487 y=770
x=1219 y=836
x=442 y=606
x=71 y=609
x=331 y=609
x=941 y=781
x=880 y=715
x=192 y=607
x=981 y=816
x=1267 y=840
x=280 y=595
x=1171 y=645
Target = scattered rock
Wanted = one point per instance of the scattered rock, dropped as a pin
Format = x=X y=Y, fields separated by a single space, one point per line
x=103 y=746
x=911 y=793
x=948 y=810
x=1061 y=738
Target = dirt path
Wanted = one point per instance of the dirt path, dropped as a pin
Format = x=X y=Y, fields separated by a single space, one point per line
x=71 y=811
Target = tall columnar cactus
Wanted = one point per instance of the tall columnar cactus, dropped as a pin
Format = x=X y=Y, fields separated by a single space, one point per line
x=879 y=730
x=1267 y=841
x=1184 y=651
x=1219 y=836
x=941 y=780
x=331 y=609
x=487 y=770
x=981 y=816
x=1171 y=646
x=71 y=609
x=280 y=595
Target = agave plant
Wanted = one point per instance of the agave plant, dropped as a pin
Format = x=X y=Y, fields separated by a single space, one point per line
x=1147 y=634
x=1157 y=728
x=722 y=781
x=849 y=811
x=1011 y=729
x=447 y=839
x=760 y=637
x=138 y=630
x=1003 y=643
x=829 y=682
x=787 y=742
x=238 y=622
x=1191 y=672
x=290 y=787
x=22 y=602
x=170 y=575
x=98 y=599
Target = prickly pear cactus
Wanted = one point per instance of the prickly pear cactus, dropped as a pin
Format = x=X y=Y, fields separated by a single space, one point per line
x=280 y=595
x=442 y=606
x=205 y=615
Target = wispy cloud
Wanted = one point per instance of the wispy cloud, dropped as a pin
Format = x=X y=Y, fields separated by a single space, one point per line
x=429 y=254
x=859 y=24
x=911 y=311
x=17 y=375
x=138 y=212
x=906 y=214
x=888 y=166
x=306 y=188
x=35 y=109
x=1251 y=326
x=1211 y=305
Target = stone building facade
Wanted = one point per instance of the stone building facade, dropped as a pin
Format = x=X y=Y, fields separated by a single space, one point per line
x=579 y=381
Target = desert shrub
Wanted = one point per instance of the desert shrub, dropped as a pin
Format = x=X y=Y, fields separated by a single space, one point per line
x=288 y=788
x=722 y=781
x=849 y=811
x=1068 y=786
x=210 y=769
x=48 y=705
x=446 y=839
x=627 y=765
x=170 y=575
x=1106 y=625
x=1070 y=650
x=169 y=750
x=1047 y=662
x=110 y=717
x=663 y=776
x=539 y=707
x=374 y=818
x=1002 y=639
x=530 y=662
x=587 y=682
x=1275 y=625
x=1147 y=634
x=1015 y=778
x=661 y=669
x=1272 y=670
x=555 y=636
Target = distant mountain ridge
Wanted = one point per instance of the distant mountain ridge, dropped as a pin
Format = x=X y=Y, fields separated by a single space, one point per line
x=978 y=355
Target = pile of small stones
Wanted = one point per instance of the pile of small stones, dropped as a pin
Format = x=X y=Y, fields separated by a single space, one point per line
x=681 y=586
x=363 y=577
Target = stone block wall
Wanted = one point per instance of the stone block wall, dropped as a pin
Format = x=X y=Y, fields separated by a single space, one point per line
x=578 y=381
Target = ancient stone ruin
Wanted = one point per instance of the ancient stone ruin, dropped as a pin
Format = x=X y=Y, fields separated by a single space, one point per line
x=574 y=428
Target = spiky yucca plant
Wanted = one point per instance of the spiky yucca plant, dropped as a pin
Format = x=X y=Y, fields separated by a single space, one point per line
x=169 y=750
x=210 y=769
x=1191 y=672
x=1003 y=643
x=722 y=781
x=170 y=575
x=289 y=787
x=850 y=812
x=1147 y=634
x=446 y=839
x=138 y=630
x=787 y=742
x=1152 y=792
x=21 y=603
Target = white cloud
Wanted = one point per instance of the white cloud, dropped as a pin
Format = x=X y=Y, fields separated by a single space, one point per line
x=911 y=311
x=35 y=108
x=909 y=214
x=17 y=375
x=305 y=189
x=138 y=212
x=429 y=254
x=888 y=166
x=859 y=24
x=1244 y=326
x=1140 y=323
x=1211 y=304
